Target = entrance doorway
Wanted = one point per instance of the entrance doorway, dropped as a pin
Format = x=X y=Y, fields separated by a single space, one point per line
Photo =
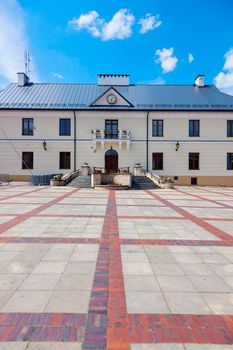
x=111 y=161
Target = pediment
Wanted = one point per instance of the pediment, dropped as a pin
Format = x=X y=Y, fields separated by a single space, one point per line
x=111 y=98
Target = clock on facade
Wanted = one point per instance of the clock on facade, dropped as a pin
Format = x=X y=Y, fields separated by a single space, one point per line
x=111 y=98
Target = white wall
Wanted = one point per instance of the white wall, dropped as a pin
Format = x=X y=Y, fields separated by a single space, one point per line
x=213 y=143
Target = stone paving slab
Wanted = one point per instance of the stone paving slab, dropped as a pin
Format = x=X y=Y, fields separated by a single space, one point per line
x=85 y=269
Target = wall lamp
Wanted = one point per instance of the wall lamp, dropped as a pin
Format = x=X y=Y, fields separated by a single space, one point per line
x=177 y=145
x=44 y=145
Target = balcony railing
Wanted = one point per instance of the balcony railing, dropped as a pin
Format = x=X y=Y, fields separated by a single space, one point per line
x=121 y=137
x=103 y=135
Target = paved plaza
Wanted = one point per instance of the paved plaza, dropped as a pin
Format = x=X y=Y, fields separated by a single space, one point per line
x=117 y=270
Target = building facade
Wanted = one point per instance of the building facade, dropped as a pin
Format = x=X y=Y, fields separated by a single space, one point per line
x=181 y=131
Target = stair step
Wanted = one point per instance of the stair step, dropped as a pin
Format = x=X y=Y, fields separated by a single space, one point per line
x=143 y=183
x=81 y=182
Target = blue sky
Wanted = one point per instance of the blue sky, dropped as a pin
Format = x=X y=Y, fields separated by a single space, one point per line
x=155 y=41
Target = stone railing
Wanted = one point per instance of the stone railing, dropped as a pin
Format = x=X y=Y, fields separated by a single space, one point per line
x=62 y=180
x=161 y=181
x=103 y=135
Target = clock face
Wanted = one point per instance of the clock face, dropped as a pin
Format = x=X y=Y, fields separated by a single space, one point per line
x=111 y=99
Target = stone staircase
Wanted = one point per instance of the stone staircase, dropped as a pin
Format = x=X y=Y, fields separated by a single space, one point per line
x=81 y=181
x=143 y=183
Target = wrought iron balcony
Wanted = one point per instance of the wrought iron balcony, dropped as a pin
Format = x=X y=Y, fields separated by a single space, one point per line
x=102 y=136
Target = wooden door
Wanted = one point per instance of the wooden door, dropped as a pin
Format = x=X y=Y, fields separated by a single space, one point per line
x=111 y=161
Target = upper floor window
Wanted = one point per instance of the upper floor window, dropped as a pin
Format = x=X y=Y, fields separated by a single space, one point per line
x=157 y=127
x=27 y=160
x=193 y=161
x=64 y=127
x=229 y=161
x=194 y=128
x=157 y=161
x=27 y=126
x=111 y=129
x=64 y=161
x=230 y=128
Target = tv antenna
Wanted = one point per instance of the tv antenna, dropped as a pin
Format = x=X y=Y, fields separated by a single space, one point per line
x=27 y=63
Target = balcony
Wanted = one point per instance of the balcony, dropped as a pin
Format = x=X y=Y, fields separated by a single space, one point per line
x=120 y=138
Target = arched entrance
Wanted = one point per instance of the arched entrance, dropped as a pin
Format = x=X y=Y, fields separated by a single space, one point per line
x=111 y=161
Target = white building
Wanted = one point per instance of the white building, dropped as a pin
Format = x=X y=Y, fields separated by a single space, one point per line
x=182 y=131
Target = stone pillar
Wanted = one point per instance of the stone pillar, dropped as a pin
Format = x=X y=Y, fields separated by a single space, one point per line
x=85 y=169
x=137 y=170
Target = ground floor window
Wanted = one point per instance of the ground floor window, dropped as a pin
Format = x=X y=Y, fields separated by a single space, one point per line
x=64 y=160
x=157 y=161
x=193 y=180
x=193 y=161
x=27 y=160
x=229 y=161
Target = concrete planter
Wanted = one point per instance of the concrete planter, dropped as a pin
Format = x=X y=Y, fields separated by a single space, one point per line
x=54 y=182
x=168 y=185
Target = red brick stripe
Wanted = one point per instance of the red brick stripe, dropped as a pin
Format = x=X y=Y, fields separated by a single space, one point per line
x=179 y=242
x=206 y=199
x=50 y=240
x=21 y=194
x=216 y=192
x=198 y=329
x=198 y=221
x=117 y=333
x=106 y=326
x=43 y=327
x=21 y=218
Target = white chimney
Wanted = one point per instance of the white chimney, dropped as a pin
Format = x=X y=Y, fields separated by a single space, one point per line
x=23 y=79
x=113 y=79
x=200 y=80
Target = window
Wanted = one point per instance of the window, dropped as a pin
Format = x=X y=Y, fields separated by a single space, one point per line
x=193 y=161
x=64 y=127
x=27 y=126
x=157 y=160
x=64 y=160
x=229 y=161
x=157 y=127
x=111 y=129
x=230 y=128
x=194 y=128
x=193 y=180
x=27 y=160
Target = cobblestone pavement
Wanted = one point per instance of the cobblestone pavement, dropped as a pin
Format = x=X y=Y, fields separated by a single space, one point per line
x=93 y=269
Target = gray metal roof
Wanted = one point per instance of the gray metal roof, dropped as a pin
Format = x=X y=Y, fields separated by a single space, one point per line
x=142 y=97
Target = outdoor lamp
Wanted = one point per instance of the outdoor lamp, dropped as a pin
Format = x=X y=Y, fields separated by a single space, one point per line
x=177 y=145
x=44 y=145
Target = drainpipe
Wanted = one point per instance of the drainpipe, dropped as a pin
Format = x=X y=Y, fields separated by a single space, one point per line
x=74 y=140
x=147 y=141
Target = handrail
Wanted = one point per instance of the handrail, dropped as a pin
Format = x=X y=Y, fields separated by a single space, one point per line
x=65 y=179
x=123 y=134
x=158 y=180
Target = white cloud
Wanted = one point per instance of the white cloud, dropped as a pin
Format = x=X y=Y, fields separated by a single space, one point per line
x=89 y=21
x=57 y=75
x=13 y=41
x=167 y=60
x=190 y=58
x=224 y=80
x=119 y=27
x=149 y=22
